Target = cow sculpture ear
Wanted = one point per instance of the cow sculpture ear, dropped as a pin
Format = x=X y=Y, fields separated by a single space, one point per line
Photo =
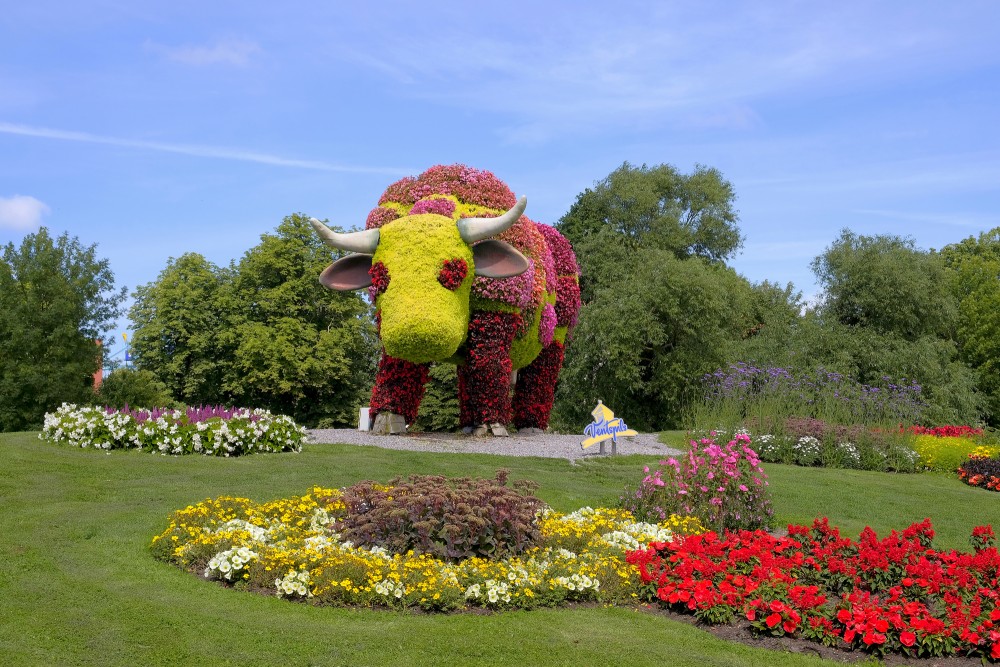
x=348 y=273
x=497 y=259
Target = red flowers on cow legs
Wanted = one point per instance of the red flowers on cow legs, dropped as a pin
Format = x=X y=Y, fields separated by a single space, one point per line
x=536 y=388
x=399 y=387
x=484 y=380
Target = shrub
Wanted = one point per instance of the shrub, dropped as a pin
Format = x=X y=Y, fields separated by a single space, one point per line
x=129 y=386
x=448 y=519
x=723 y=486
x=439 y=407
x=981 y=471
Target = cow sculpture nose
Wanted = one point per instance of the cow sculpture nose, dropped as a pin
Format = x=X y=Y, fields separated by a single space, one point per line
x=423 y=334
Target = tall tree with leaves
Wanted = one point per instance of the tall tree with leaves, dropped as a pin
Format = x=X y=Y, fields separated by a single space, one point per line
x=884 y=282
x=57 y=299
x=885 y=312
x=177 y=322
x=660 y=306
x=292 y=345
x=686 y=215
x=973 y=267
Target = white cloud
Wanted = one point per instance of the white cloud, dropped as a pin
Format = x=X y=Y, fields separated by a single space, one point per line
x=224 y=52
x=196 y=150
x=21 y=212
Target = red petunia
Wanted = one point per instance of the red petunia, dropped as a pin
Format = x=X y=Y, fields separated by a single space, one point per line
x=773 y=620
x=907 y=638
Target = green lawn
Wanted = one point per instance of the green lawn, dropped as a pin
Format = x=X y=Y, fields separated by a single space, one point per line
x=78 y=586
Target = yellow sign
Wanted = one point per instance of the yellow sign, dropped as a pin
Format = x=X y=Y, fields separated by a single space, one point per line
x=605 y=427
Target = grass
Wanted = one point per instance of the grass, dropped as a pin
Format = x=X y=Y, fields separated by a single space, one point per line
x=80 y=588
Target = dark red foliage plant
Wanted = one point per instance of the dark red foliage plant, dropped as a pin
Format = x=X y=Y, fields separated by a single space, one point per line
x=451 y=519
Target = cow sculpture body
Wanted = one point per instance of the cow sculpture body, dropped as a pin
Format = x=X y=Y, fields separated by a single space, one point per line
x=458 y=274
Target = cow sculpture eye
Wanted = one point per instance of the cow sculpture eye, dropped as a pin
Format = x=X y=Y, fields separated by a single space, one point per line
x=380 y=279
x=452 y=273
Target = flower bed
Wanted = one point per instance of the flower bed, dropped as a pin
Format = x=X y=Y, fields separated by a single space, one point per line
x=946 y=453
x=807 y=441
x=206 y=430
x=947 y=431
x=289 y=547
x=892 y=595
x=982 y=471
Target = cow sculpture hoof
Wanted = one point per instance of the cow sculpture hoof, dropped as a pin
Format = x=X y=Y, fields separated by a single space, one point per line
x=485 y=430
x=388 y=423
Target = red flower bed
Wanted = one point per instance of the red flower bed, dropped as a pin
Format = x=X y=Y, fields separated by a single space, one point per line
x=947 y=431
x=896 y=594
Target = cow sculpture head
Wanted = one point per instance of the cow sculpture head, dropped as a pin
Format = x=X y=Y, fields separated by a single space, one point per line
x=421 y=268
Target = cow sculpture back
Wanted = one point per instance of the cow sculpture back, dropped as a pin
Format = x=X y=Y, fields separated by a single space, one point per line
x=459 y=274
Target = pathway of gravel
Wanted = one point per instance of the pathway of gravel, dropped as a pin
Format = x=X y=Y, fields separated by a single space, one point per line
x=546 y=445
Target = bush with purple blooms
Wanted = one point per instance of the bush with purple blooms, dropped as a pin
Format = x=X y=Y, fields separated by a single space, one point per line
x=750 y=391
x=724 y=486
x=814 y=418
x=209 y=430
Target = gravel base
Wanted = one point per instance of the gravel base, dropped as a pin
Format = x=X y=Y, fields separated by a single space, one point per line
x=546 y=444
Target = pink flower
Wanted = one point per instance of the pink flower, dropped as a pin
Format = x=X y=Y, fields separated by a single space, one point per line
x=743 y=487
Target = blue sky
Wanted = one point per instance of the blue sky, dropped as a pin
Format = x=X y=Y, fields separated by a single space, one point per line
x=155 y=129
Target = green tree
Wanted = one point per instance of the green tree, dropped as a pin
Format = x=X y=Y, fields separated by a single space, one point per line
x=261 y=333
x=134 y=388
x=57 y=299
x=177 y=320
x=644 y=342
x=884 y=282
x=973 y=267
x=290 y=344
x=439 y=410
x=687 y=215
x=660 y=306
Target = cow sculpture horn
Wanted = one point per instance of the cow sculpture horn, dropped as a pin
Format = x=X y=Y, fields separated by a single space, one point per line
x=477 y=229
x=364 y=241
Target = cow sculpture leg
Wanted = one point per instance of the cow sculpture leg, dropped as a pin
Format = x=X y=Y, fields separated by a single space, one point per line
x=535 y=389
x=399 y=387
x=484 y=379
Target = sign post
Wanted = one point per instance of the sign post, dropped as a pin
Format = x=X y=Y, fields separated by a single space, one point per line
x=605 y=427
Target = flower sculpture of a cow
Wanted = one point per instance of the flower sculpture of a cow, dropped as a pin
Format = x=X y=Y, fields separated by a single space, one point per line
x=459 y=274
